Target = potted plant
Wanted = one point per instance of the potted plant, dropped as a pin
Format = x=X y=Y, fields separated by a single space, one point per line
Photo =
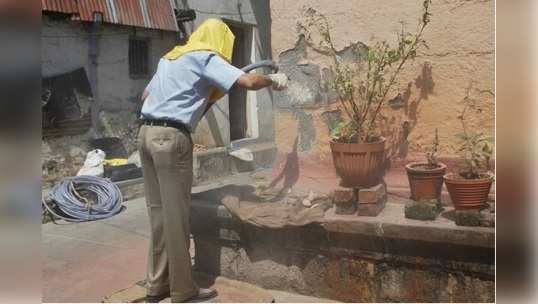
x=426 y=178
x=362 y=86
x=469 y=189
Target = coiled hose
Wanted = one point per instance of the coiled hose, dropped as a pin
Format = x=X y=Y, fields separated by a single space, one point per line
x=84 y=198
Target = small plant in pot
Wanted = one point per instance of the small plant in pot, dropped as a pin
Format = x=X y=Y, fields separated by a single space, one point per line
x=362 y=86
x=426 y=178
x=469 y=189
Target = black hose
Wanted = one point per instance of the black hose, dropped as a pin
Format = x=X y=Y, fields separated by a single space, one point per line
x=261 y=64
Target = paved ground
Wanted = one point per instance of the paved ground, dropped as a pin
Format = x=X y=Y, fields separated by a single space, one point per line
x=83 y=262
x=88 y=262
x=229 y=291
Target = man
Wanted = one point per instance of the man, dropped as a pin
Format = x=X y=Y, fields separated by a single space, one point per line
x=188 y=78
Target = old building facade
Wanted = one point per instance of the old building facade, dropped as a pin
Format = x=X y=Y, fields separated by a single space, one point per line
x=111 y=49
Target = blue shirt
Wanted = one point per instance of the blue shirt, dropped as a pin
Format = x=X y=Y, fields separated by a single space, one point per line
x=180 y=89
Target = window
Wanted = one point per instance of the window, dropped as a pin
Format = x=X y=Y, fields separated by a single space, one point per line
x=138 y=57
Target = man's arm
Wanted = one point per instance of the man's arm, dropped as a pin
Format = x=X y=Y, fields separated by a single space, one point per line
x=258 y=81
x=254 y=81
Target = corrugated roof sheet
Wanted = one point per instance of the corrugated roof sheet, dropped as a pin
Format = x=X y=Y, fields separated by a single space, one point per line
x=129 y=13
x=155 y=14
x=86 y=8
x=161 y=14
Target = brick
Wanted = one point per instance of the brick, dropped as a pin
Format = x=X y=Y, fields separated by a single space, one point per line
x=345 y=200
x=371 y=209
x=349 y=207
x=372 y=195
x=344 y=195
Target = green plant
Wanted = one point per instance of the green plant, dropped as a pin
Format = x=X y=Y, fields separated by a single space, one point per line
x=431 y=155
x=477 y=148
x=362 y=86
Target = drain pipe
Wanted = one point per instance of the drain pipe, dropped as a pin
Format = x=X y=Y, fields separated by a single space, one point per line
x=93 y=56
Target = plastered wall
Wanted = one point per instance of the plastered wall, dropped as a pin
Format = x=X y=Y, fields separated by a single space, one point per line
x=462 y=50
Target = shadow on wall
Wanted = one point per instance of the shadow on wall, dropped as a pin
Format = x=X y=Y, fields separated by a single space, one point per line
x=399 y=145
x=289 y=171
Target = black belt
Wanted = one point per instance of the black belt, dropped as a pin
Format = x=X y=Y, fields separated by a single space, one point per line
x=166 y=123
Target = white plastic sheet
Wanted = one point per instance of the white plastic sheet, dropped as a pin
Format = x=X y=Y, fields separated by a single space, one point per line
x=93 y=165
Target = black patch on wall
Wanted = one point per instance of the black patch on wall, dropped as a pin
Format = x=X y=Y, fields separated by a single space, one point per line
x=307 y=132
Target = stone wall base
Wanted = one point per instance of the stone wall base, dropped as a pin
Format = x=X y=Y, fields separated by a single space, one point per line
x=343 y=278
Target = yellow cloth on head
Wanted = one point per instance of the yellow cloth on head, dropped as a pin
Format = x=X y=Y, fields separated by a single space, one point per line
x=212 y=35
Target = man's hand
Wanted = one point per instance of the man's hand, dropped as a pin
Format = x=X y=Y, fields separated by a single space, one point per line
x=144 y=95
x=280 y=81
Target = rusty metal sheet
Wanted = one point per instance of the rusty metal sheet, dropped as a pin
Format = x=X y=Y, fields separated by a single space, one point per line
x=159 y=13
x=129 y=12
x=88 y=7
x=62 y=6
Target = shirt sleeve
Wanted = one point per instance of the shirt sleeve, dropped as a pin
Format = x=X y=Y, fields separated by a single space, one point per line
x=150 y=84
x=220 y=73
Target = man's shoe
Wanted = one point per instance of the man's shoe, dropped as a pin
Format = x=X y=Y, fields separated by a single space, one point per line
x=156 y=299
x=204 y=294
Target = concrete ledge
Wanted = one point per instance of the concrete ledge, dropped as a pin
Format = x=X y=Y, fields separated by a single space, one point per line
x=349 y=258
x=391 y=223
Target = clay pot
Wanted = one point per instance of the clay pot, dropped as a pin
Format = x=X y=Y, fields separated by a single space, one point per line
x=359 y=165
x=468 y=194
x=425 y=183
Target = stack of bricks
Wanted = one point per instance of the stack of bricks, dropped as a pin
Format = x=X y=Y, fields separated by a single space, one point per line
x=372 y=200
x=363 y=202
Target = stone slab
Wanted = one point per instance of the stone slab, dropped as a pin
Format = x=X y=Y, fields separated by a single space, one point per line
x=391 y=223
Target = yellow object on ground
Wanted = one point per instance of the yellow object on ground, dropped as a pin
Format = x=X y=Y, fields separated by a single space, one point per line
x=115 y=161
x=212 y=35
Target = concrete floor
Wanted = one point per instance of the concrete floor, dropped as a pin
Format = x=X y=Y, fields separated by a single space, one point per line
x=88 y=262
x=83 y=262
x=229 y=291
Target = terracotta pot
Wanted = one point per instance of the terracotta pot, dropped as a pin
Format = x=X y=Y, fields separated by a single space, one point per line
x=468 y=194
x=425 y=184
x=359 y=165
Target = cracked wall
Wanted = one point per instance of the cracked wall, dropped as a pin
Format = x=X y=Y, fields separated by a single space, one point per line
x=429 y=93
x=64 y=48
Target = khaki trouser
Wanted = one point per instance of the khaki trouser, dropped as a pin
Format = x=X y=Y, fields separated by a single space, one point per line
x=166 y=155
